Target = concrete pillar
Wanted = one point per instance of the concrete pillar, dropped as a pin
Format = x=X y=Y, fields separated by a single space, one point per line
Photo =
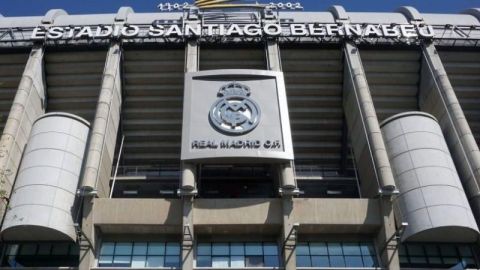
x=385 y=239
x=289 y=234
x=369 y=150
x=367 y=141
x=101 y=148
x=88 y=240
x=98 y=165
x=28 y=105
x=438 y=98
x=189 y=175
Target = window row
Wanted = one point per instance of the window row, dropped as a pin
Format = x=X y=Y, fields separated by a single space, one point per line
x=237 y=255
x=139 y=254
x=40 y=254
x=336 y=254
x=437 y=255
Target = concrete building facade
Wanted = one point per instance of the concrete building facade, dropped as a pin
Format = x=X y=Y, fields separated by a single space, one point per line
x=247 y=138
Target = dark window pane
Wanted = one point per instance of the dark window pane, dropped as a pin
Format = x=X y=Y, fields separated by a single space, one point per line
x=271 y=261
x=435 y=260
x=353 y=261
x=61 y=249
x=303 y=261
x=432 y=250
x=448 y=250
x=204 y=261
x=254 y=261
x=465 y=251
x=419 y=260
x=337 y=261
x=44 y=249
x=28 y=249
x=320 y=261
x=415 y=250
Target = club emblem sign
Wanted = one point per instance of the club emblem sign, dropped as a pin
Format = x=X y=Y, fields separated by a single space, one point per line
x=234 y=113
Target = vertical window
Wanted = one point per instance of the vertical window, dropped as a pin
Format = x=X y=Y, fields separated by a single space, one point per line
x=336 y=254
x=139 y=254
x=237 y=255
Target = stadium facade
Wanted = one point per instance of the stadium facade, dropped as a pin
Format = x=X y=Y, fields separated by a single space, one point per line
x=246 y=138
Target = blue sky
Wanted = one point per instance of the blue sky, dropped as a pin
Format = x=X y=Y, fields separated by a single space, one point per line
x=40 y=7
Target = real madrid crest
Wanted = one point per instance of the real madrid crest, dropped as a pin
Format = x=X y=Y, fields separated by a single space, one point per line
x=234 y=113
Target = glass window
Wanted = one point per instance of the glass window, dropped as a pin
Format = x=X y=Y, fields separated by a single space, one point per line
x=204 y=261
x=204 y=249
x=140 y=248
x=334 y=249
x=220 y=249
x=43 y=254
x=139 y=261
x=139 y=254
x=303 y=261
x=270 y=261
x=172 y=261
x=318 y=249
x=123 y=248
x=270 y=249
x=237 y=255
x=107 y=248
x=254 y=261
x=320 y=261
x=336 y=254
x=156 y=249
x=220 y=262
x=253 y=249
x=237 y=261
x=302 y=249
x=433 y=255
x=237 y=249
x=155 y=261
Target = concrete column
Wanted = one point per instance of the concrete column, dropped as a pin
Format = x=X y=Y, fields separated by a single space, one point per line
x=288 y=185
x=438 y=98
x=385 y=239
x=189 y=175
x=101 y=148
x=369 y=149
x=87 y=241
x=28 y=105
x=188 y=243
x=367 y=141
x=289 y=234
x=98 y=165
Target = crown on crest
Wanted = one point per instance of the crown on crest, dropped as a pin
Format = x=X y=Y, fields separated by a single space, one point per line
x=234 y=89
